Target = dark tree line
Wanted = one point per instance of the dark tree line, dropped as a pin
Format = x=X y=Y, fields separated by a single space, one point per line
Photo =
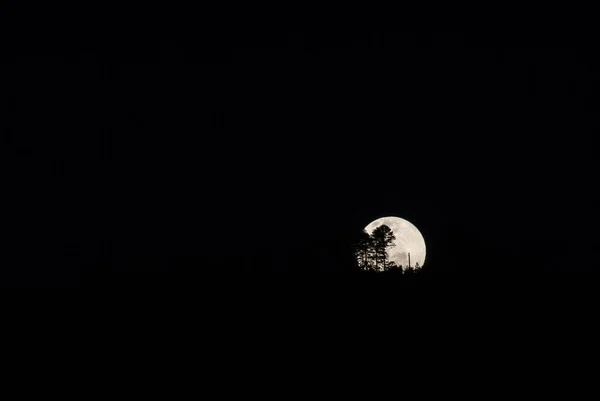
x=371 y=251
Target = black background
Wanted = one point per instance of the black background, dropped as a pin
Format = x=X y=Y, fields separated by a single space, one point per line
x=257 y=138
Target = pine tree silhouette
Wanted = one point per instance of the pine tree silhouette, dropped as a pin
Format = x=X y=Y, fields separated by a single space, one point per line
x=371 y=250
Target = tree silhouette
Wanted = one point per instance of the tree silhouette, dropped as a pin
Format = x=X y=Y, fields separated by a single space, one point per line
x=383 y=238
x=371 y=250
x=364 y=251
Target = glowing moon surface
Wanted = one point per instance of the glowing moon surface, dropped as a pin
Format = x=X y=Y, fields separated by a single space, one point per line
x=408 y=239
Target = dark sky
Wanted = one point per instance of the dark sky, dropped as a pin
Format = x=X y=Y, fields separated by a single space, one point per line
x=170 y=137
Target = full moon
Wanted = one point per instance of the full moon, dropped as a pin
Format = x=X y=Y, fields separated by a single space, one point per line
x=408 y=240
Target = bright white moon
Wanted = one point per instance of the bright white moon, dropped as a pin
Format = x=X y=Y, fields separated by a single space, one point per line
x=408 y=239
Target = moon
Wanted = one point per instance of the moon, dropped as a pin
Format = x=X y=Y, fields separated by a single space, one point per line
x=408 y=239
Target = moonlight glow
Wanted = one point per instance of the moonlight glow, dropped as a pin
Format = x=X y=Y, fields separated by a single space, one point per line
x=408 y=239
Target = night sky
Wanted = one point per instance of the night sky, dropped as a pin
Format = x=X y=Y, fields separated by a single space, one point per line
x=256 y=139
